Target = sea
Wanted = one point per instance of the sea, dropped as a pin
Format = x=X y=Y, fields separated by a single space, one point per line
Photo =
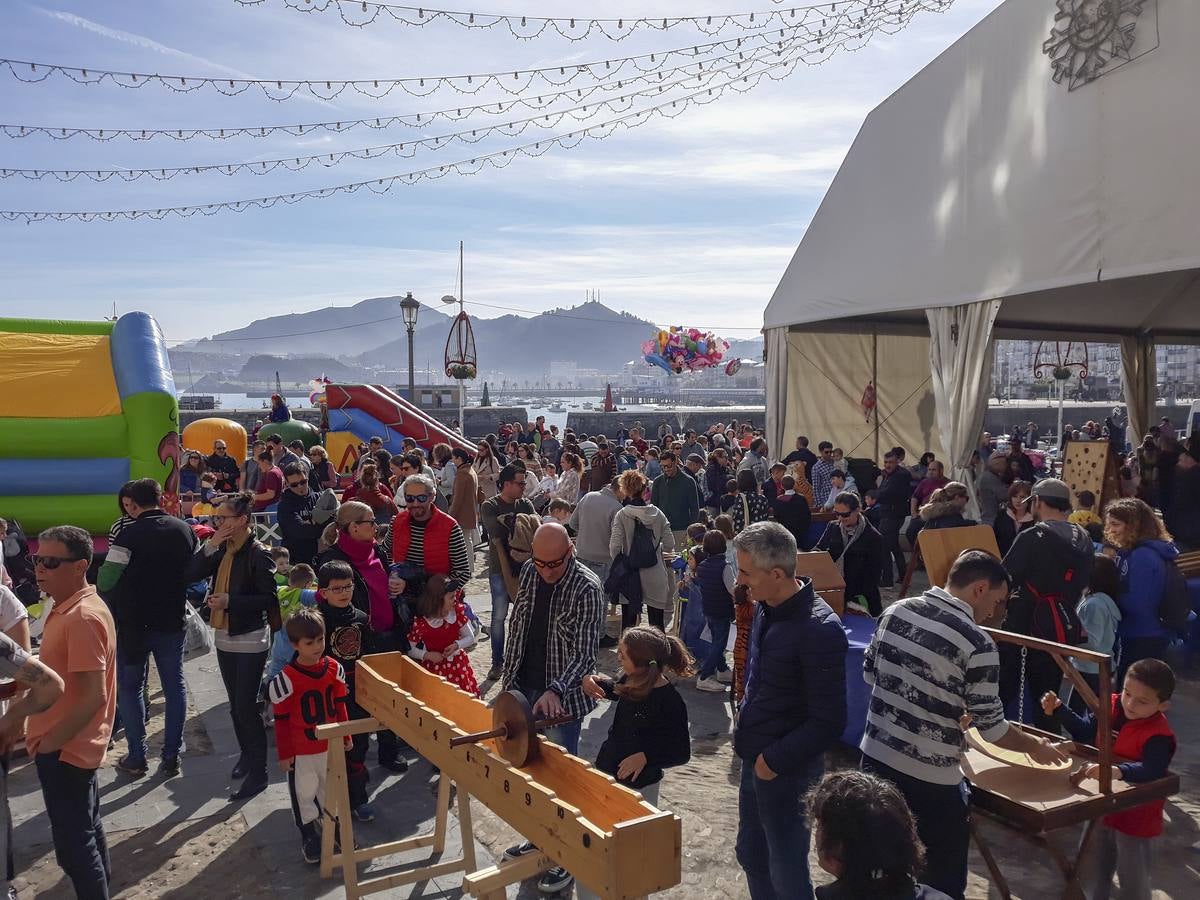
x=570 y=404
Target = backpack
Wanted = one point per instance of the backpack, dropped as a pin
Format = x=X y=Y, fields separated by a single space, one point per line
x=643 y=549
x=1175 y=603
x=1054 y=616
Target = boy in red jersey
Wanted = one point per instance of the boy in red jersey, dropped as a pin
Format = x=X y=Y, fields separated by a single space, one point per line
x=310 y=691
x=1121 y=846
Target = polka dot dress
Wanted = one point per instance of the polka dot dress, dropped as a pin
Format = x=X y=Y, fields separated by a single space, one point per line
x=436 y=639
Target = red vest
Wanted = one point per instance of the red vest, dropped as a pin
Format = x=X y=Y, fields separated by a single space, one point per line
x=437 y=541
x=1144 y=820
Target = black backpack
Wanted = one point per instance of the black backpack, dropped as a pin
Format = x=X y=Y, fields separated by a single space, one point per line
x=1054 y=616
x=1175 y=603
x=643 y=550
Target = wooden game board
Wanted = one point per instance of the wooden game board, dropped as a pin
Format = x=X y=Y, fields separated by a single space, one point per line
x=600 y=831
x=1092 y=466
x=940 y=547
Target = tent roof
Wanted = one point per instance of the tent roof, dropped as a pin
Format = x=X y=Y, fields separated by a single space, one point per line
x=981 y=178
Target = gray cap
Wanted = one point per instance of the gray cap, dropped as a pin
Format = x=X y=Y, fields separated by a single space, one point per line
x=1051 y=488
x=326 y=509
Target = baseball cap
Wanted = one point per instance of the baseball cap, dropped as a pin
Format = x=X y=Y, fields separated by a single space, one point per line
x=1051 y=488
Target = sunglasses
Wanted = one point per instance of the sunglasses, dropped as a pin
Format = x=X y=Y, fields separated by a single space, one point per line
x=53 y=562
x=370 y=522
x=416 y=498
x=296 y=484
x=551 y=564
x=844 y=515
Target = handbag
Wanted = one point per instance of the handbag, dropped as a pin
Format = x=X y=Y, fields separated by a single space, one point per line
x=197 y=638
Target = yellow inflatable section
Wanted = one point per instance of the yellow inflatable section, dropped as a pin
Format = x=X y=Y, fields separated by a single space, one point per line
x=199 y=435
x=342 y=447
x=58 y=376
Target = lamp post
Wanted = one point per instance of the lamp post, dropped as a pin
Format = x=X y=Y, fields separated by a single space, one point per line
x=410 y=307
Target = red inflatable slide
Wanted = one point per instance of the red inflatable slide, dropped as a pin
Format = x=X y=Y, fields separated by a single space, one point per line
x=394 y=412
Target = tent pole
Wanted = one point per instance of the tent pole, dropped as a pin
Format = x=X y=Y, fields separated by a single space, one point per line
x=875 y=381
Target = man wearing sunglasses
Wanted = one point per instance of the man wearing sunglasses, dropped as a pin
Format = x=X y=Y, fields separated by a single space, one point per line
x=857 y=548
x=295 y=515
x=424 y=536
x=557 y=621
x=225 y=467
x=68 y=740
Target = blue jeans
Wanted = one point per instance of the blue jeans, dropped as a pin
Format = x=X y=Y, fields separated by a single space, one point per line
x=773 y=834
x=715 y=660
x=566 y=736
x=693 y=627
x=167 y=649
x=500 y=601
x=73 y=804
x=599 y=569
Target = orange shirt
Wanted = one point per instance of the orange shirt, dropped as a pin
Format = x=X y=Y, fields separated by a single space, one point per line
x=79 y=637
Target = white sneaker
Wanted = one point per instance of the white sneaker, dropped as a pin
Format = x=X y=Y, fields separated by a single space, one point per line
x=725 y=677
x=709 y=684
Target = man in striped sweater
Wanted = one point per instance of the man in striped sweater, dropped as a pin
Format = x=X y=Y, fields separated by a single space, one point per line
x=929 y=665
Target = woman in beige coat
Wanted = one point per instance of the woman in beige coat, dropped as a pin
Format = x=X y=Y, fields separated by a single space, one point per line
x=463 y=508
x=657 y=582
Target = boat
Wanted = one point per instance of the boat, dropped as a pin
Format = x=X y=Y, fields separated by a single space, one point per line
x=557 y=407
x=589 y=405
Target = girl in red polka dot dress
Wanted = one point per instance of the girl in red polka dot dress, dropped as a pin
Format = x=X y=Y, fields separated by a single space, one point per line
x=441 y=633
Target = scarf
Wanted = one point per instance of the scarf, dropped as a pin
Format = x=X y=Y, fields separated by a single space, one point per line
x=848 y=538
x=367 y=564
x=220 y=617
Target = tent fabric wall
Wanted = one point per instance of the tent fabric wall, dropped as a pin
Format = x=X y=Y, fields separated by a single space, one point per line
x=826 y=375
x=960 y=361
x=1139 y=373
x=982 y=178
x=775 y=350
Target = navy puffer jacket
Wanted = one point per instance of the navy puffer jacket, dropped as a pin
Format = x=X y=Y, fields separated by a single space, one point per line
x=794 y=707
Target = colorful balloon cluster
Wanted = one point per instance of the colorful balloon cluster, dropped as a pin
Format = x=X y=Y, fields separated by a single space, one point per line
x=684 y=350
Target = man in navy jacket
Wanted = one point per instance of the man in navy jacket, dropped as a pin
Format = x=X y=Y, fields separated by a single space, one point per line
x=794 y=709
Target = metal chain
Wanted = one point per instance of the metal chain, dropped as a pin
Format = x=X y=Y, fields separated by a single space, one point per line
x=1021 y=693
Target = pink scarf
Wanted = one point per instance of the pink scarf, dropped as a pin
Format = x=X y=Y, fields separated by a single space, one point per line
x=367 y=563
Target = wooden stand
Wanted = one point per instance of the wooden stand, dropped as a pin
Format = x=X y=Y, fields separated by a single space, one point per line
x=827 y=581
x=1092 y=466
x=600 y=831
x=1034 y=805
x=338 y=820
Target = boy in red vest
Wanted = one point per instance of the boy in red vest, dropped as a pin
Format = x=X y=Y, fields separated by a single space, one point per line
x=310 y=691
x=1122 y=843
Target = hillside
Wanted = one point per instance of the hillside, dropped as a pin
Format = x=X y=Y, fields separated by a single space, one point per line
x=591 y=335
x=332 y=331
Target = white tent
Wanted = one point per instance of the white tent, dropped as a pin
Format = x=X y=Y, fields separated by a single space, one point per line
x=984 y=199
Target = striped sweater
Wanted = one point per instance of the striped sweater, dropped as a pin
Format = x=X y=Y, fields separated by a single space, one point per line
x=929 y=663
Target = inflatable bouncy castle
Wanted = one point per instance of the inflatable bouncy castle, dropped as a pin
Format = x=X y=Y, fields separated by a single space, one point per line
x=86 y=406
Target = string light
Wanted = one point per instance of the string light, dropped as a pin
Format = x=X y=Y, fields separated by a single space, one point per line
x=825 y=41
x=361 y=13
x=414 y=120
x=405 y=149
x=498 y=159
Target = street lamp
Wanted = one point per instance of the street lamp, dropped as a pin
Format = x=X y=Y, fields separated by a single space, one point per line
x=410 y=307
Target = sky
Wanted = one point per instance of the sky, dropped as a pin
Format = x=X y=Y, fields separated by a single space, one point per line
x=689 y=220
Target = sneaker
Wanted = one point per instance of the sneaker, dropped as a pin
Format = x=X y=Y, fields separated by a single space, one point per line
x=555 y=880
x=494 y=674
x=709 y=684
x=169 y=767
x=397 y=764
x=516 y=851
x=364 y=813
x=130 y=766
x=725 y=676
x=607 y=643
x=254 y=785
x=311 y=848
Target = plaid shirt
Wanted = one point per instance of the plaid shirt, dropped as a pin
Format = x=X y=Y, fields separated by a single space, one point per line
x=576 y=624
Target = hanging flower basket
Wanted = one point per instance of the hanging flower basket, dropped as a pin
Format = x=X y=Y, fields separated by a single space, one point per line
x=461 y=363
x=1062 y=373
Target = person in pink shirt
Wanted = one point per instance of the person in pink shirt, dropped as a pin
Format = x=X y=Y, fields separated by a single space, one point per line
x=935 y=477
x=270 y=482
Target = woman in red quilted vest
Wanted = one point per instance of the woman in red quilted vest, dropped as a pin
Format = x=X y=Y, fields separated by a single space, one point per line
x=1121 y=845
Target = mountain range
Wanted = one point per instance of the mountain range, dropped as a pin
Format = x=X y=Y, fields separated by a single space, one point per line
x=370 y=335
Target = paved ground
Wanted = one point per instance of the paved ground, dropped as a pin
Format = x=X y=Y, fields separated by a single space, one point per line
x=182 y=839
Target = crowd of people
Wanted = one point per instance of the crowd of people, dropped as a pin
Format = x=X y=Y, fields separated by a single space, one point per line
x=701 y=530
